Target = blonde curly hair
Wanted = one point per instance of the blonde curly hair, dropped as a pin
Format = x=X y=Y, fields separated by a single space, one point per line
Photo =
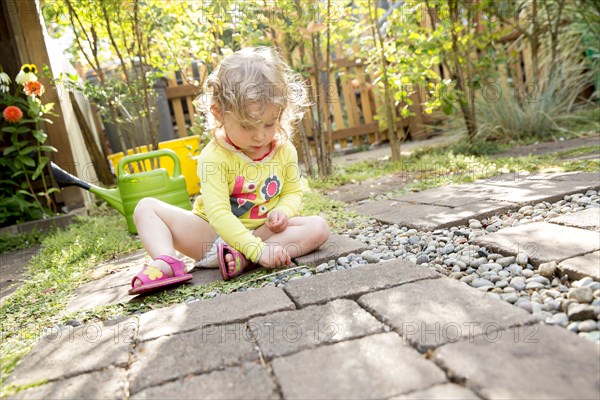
x=253 y=75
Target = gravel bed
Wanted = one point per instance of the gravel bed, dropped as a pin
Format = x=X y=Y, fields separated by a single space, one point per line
x=553 y=300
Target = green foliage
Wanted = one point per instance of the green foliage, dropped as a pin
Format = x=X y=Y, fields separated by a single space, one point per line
x=24 y=154
x=12 y=242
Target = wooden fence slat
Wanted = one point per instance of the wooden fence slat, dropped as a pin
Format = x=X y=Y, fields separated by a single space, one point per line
x=337 y=106
x=178 y=111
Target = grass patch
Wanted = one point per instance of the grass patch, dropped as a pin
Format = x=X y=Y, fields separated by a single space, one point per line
x=437 y=167
x=19 y=241
x=65 y=258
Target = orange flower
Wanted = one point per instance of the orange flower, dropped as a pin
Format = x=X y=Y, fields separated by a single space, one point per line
x=33 y=88
x=12 y=114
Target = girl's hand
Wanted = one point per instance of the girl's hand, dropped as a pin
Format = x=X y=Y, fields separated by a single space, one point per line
x=277 y=222
x=274 y=256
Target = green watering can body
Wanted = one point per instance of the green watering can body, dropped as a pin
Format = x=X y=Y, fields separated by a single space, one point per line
x=131 y=188
x=155 y=183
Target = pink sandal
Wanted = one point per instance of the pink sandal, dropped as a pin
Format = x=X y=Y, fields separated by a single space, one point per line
x=152 y=278
x=241 y=262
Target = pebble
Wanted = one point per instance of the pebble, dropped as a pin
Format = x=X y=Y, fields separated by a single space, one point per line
x=580 y=312
x=474 y=224
x=322 y=267
x=558 y=319
x=591 y=336
x=582 y=282
x=505 y=261
x=547 y=269
x=518 y=283
x=422 y=258
x=509 y=297
x=527 y=273
x=522 y=259
x=538 y=279
x=587 y=326
x=343 y=260
x=581 y=294
x=534 y=285
x=480 y=282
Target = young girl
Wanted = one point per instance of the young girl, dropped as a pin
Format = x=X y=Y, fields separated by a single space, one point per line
x=249 y=177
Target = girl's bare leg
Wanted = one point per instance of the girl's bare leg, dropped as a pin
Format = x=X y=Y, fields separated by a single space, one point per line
x=165 y=229
x=303 y=235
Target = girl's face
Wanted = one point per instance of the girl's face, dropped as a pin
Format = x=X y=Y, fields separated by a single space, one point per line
x=253 y=142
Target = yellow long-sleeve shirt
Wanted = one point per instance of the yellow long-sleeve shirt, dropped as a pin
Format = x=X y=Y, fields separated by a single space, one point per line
x=238 y=193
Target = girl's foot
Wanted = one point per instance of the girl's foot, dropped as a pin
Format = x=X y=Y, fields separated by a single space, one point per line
x=230 y=263
x=162 y=266
x=157 y=276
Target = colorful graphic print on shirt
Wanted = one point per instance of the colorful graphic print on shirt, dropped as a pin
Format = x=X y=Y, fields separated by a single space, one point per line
x=244 y=195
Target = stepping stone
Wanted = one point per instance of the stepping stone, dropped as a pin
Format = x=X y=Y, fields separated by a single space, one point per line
x=374 y=367
x=336 y=246
x=589 y=177
x=447 y=196
x=248 y=381
x=580 y=267
x=541 y=242
x=88 y=300
x=447 y=391
x=171 y=357
x=449 y=312
x=321 y=288
x=74 y=351
x=430 y=217
x=527 y=191
x=584 y=219
x=114 y=288
x=288 y=332
x=106 y=384
x=548 y=362
x=350 y=193
x=234 y=307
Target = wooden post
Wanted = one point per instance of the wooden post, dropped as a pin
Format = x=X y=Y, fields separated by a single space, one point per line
x=25 y=27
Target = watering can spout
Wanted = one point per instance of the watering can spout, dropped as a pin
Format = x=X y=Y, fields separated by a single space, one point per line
x=111 y=196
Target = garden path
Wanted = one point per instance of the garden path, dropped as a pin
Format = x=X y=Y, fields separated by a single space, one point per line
x=389 y=329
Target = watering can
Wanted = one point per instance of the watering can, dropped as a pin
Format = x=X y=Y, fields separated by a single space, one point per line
x=131 y=188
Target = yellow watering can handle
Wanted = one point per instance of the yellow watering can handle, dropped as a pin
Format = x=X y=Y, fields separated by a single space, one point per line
x=151 y=154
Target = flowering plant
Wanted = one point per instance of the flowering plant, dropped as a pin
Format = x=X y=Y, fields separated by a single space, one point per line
x=24 y=193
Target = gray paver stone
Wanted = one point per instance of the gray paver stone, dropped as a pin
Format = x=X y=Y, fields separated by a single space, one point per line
x=91 y=295
x=418 y=216
x=447 y=391
x=433 y=312
x=447 y=196
x=362 y=190
x=585 y=219
x=580 y=267
x=289 y=331
x=541 y=241
x=249 y=381
x=591 y=177
x=93 y=346
x=335 y=247
x=220 y=310
x=86 y=300
x=355 y=282
x=374 y=367
x=111 y=280
x=538 y=361
x=106 y=384
x=170 y=357
x=525 y=191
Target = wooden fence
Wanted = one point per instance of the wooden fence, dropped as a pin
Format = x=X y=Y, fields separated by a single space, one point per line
x=348 y=99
